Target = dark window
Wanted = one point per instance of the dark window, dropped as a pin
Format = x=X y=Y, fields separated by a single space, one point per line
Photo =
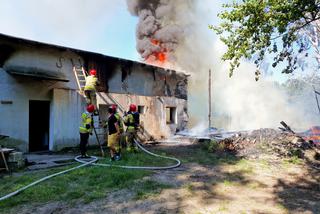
x=171 y=114
x=141 y=109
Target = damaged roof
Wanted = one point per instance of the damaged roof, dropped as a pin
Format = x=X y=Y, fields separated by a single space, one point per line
x=80 y=52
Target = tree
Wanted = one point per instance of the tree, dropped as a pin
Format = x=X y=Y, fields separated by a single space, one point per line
x=253 y=28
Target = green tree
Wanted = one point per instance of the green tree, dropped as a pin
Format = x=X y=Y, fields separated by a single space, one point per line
x=253 y=28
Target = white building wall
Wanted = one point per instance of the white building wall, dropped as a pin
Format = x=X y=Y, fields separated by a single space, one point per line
x=66 y=105
x=15 y=116
x=66 y=109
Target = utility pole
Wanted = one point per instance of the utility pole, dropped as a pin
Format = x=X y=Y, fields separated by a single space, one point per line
x=209 y=115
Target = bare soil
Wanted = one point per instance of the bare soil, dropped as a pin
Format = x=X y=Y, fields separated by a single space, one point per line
x=266 y=184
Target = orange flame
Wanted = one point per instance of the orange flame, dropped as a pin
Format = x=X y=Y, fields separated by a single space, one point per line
x=157 y=57
x=155 y=42
x=161 y=56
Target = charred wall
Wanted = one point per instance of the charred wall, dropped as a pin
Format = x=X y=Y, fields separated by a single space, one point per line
x=140 y=79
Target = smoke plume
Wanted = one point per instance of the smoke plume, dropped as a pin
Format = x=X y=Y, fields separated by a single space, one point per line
x=179 y=29
x=158 y=31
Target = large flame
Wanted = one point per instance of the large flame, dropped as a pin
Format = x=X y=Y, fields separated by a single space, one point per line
x=159 y=57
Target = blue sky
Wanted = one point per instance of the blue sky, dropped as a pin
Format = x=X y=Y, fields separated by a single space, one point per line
x=103 y=26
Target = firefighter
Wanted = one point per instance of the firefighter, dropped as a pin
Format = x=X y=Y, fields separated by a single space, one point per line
x=113 y=135
x=132 y=121
x=90 y=89
x=122 y=142
x=85 y=129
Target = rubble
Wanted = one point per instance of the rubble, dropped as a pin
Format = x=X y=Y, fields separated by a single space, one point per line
x=254 y=143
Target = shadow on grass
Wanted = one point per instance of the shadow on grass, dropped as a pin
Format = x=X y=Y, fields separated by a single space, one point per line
x=301 y=195
x=206 y=172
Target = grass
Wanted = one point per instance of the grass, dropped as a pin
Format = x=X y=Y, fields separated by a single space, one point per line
x=202 y=156
x=294 y=160
x=149 y=188
x=142 y=159
x=86 y=184
x=223 y=207
x=189 y=187
x=90 y=183
x=227 y=183
x=245 y=166
x=282 y=208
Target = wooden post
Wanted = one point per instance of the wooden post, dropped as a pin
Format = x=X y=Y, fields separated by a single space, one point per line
x=315 y=94
x=209 y=115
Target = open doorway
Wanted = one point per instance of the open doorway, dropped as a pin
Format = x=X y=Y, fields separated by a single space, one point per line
x=39 y=114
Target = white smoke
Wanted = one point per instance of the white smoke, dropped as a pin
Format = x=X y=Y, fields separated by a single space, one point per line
x=239 y=103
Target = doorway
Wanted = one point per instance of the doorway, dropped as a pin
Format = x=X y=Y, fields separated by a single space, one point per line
x=39 y=114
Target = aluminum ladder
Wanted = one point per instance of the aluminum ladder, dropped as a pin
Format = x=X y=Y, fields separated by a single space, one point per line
x=80 y=75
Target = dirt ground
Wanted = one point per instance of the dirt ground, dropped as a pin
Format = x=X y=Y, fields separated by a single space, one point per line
x=262 y=185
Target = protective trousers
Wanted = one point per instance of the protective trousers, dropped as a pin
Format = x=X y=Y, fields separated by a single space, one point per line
x=130 y=135
x=91 y=97
x=84 y=137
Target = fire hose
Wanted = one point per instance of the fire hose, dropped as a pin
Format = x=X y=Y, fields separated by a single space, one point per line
x=93 y=161
x=139 y=167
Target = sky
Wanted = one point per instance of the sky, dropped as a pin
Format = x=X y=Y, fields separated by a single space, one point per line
x=103 y=26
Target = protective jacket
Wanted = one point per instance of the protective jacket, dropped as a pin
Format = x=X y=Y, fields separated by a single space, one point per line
x=120 y=121
x=91 y=83
x=86 y=123
x=132 y=121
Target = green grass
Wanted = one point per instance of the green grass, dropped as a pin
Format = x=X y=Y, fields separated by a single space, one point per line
x=264 y=164
x=143 y=159
x=203 y=156
x=224 y=206
x=228 y=183
x=294 y=160
x=244 y=166
x=189 y=188
x=86 y=184
x=94 y=182
x=149 y=188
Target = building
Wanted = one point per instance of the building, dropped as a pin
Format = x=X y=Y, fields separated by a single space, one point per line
x=40 y=103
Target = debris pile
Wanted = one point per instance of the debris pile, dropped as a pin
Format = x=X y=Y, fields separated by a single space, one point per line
x=266 y=141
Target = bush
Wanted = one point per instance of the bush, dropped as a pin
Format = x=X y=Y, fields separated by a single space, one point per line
x=215 y=146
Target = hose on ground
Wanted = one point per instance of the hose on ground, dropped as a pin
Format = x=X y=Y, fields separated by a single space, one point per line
x=93 y=161
x=178 y=163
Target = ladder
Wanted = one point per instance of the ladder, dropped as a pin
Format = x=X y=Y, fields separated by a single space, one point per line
x=80 y=75
x=142 y=131
x=98 y=131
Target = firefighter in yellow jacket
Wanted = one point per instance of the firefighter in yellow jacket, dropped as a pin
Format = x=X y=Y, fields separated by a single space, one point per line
x=132 y=121
x=113 y=135
x=122 y=139
x=90 y=88
x=85 y=129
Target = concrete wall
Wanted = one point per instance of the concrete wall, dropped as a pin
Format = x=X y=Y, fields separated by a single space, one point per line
x=15 y=116
x=66 y=105
x=154 y=117
x=145 y=80
x=66 y=109
x=48 y=61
